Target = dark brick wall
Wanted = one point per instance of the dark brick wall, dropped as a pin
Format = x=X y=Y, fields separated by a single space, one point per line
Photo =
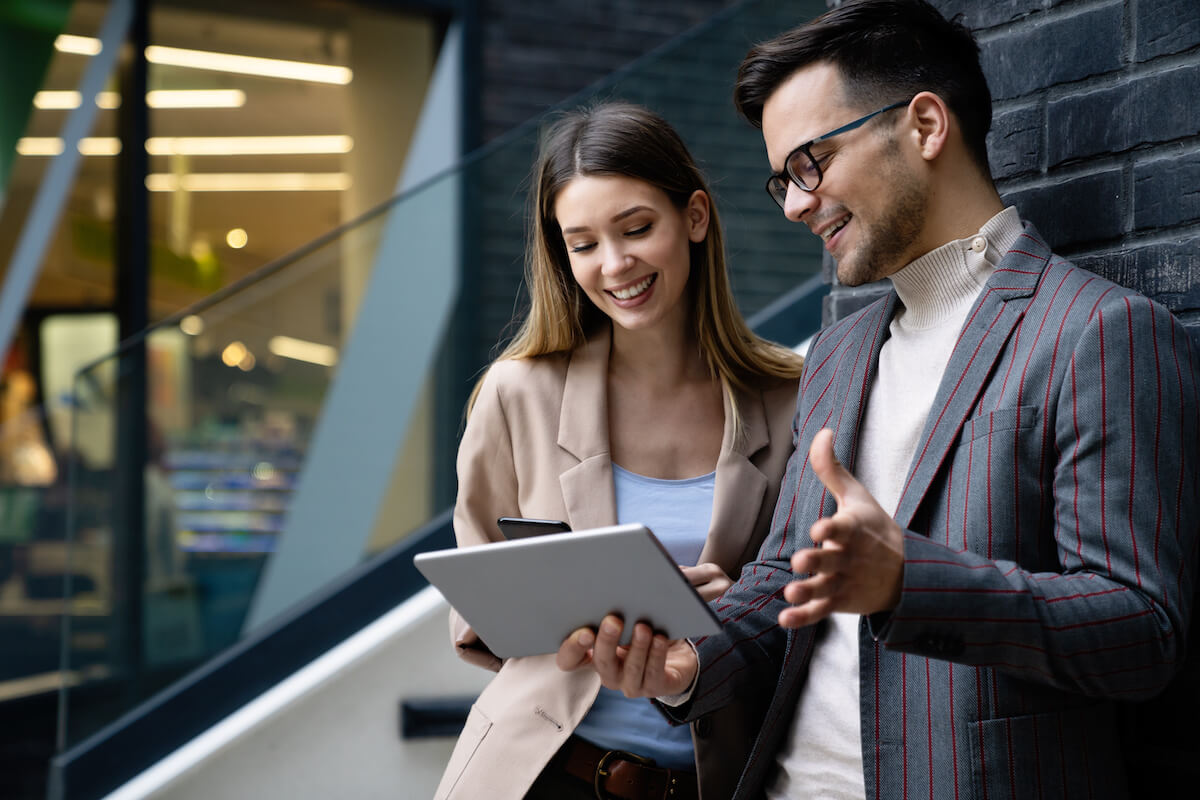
x=536 y=53
x=1096 y=136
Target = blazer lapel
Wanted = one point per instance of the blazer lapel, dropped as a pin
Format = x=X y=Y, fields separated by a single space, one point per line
x=989 y=324
x=587 y=488
x=852 y=383
x=739 y=487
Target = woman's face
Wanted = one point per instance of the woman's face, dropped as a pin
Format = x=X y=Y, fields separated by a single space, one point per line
x=628 y=247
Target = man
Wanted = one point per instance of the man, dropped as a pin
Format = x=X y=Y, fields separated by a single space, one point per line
x=986 y=538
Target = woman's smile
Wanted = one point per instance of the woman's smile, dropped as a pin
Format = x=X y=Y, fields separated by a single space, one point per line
x=633 y=293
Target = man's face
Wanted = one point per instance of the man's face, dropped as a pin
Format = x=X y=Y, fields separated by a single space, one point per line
x=871 y=204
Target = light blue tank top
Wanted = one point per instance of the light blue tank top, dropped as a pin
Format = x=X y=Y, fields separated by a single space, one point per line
x=679 y=512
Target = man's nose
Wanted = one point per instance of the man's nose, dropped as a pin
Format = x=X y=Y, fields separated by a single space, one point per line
x=797 y=204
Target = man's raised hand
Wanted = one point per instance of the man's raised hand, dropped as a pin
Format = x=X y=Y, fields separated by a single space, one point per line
x=858 y=564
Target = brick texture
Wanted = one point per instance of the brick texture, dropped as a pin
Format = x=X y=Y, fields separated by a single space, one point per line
x=1166 y=191
x=975 y=14
x=1165 y=27
x=1075 y=211
x=1015 y=142
x=1141 y=109
x=1036 y=56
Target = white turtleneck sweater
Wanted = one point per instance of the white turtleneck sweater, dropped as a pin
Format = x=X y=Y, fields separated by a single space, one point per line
x=823 y=754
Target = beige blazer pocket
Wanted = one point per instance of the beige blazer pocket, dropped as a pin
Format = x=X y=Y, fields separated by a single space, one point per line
x=476 y=727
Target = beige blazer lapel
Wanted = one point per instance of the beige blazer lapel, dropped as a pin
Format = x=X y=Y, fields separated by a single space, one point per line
x=739 y=487
x=587 y=488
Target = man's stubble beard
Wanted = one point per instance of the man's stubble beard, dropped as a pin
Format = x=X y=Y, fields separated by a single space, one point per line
x=886 y=244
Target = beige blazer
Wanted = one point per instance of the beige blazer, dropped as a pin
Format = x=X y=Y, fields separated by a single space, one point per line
x=536 y=445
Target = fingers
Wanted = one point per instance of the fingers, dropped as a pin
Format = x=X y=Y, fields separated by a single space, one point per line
x=807 y=614
x=575 y=650
x=708 y=579
x=820 y=586
x=811 y=561
x=671 y=668
x=654 y=675
x=828 y=469
x=702 y=573
x=634 y=668
x=605 y=658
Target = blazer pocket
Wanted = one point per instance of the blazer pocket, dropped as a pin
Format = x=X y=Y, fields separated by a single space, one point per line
x=1018 y=418
x=473 y=733
x=1068 y=754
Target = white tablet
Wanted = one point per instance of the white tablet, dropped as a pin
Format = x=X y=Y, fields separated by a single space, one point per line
x=524 y=597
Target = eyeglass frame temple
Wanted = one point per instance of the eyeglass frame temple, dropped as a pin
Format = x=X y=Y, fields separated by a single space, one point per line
x=806 y=149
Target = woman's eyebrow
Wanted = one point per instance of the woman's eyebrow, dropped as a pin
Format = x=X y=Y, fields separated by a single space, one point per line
x=616 y=218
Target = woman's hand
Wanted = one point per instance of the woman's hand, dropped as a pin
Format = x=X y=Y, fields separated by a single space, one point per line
x=709 y=580
x=650 y=666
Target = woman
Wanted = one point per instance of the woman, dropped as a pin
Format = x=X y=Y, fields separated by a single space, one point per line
x=633 y=391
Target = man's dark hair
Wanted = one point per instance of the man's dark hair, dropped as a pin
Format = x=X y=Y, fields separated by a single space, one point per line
x=886 y=51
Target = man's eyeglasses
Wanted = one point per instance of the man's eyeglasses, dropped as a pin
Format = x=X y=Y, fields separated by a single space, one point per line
x=802 y=169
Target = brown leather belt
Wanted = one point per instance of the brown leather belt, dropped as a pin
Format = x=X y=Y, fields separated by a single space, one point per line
x=625 y=776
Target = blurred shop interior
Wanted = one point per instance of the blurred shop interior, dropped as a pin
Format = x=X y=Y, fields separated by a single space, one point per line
x=267 y=125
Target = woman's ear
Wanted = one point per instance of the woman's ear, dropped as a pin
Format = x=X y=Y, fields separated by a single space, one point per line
x=697 y=212
x=931 y=124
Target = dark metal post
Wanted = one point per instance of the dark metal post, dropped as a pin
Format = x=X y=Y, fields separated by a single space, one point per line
x=132 y=304
x=458 y=361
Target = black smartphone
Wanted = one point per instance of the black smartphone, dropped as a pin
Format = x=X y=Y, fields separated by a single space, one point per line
x=520 y=527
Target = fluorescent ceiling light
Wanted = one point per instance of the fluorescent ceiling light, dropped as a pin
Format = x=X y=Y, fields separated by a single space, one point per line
x=248 y=65
x=220 y=62
x=196 y=145
x=247 y=145
x=100 y=146
x=80 y=45
x=159 y=98
x=53 y=146
x=196 y=98
x=300 y=350
x=57 y=100
x=250 y=182
x=39 y=146
x=68 y=100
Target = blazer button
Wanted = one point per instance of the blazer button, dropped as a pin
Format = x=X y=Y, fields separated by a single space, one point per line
x=704 y=727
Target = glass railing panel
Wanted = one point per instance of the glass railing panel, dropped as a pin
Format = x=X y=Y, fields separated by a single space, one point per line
x=234 y=391
x=339 y=374
x=33 y=552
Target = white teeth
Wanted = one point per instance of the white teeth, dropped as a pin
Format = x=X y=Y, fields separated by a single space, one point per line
x=831 y=230
x=633 y=291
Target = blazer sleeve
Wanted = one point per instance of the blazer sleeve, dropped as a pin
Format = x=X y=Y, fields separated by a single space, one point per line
x=1112 y=620
x=487 y=489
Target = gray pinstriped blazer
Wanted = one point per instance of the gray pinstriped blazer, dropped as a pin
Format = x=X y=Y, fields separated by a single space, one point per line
x=1051 y=518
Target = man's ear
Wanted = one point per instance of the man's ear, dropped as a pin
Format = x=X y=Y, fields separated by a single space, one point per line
x=697 y=212
x=931 y=121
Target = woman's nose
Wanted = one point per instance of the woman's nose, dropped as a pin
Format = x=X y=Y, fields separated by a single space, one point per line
x=616 y=260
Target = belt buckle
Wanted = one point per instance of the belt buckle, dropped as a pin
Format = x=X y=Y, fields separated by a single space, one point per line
x=601 y=794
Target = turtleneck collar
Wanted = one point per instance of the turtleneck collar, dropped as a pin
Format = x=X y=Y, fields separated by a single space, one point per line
x=943 y=280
